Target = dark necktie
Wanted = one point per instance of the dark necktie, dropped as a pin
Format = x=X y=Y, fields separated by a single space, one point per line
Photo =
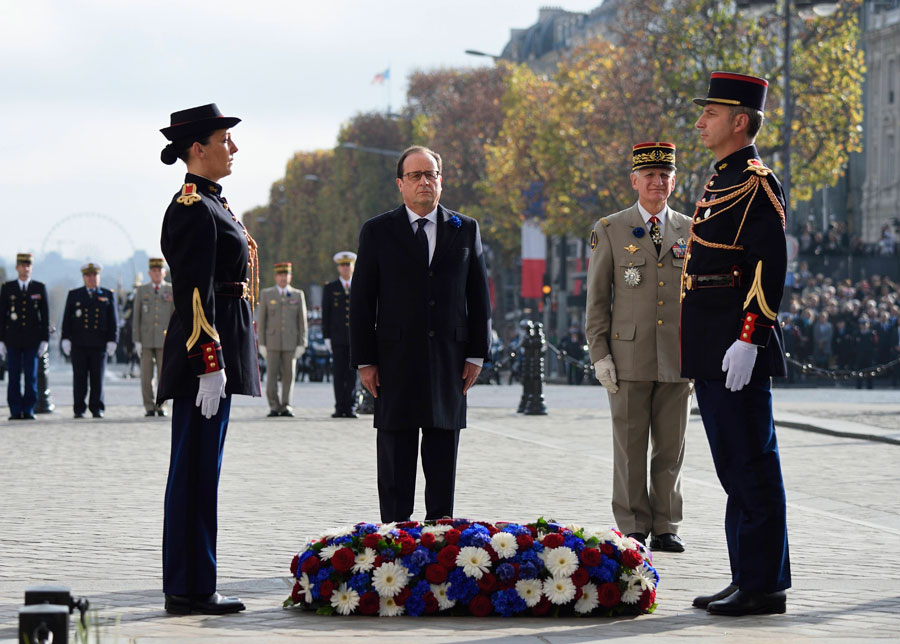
x=655 y=233
x=156 y=288
x=422 y=238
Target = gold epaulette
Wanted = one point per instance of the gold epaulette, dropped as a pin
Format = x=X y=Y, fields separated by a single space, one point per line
x=188 y=195
x=604 y=221
x=757 y=167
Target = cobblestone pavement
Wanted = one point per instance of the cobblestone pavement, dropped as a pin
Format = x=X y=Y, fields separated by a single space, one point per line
x=81 y=505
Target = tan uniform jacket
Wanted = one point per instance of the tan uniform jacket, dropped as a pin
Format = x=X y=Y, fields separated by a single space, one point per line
x=281 y=320
x=152 y=311
x=633 y=296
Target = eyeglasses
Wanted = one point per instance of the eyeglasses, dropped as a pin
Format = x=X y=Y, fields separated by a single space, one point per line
x=431 y=175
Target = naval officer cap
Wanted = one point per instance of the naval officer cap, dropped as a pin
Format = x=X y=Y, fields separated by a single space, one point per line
x=344 y=257
x=187 y=126
x=730 y=88
x=91 y=267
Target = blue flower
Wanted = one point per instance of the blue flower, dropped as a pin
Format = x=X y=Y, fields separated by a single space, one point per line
x=506 y=571
x=359 y=583
x=477 y=535
x=638 y=231
x=516 y=529
x=507 y=602
x=528 y=570
x=455 y=221
x=415 y=606
x=461 y=588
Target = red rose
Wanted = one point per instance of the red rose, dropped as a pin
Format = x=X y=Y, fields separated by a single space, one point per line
x=401 y=597
x=492 y=553
x=552 y=540
x=532 y=529
x=436 y=574
x=647 y=599
x=407 y=545
x=326 y=589
x=578 y=594
x=408 y=524
x=608 y=595
x=541 y=608
x=294 y=563
x=378 y=561
x=590 y=557
x=581 y=576
x=447 y=557
x=371 y=541
x=607 y=549
x=431 y=603
x=311 y=565
x=631 y=559
x=480 y=605
x=524 y=541
x=463 y=526
x=369 y=603
x=452 y=536
x=343 y=559
x=296 y=593
x=488 y=582
x=444 y=521
x=427 y=540
x=492 y=529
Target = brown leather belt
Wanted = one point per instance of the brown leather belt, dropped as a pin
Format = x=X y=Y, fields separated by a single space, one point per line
x=718 y=280
x=232 y=289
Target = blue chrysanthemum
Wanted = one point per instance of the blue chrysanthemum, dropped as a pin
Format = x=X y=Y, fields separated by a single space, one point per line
x=461 y=588
x=573 y=542
x=415 y=606
x=477 y=536
x=638 y=231
x=360 y=582
x=414 y=561
x=516 y=529
x=600 y=573
x=387 y=553
x=528 y=570
x=455 y=221
x=507 y=602
x=506 y=571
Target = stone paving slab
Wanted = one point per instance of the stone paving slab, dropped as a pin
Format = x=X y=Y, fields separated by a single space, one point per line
x=81 y=504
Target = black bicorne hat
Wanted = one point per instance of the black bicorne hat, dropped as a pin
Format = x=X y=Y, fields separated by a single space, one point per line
x=193 y=123
x=729 y=88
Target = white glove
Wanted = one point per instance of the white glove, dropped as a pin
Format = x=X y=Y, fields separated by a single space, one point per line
x=262 y=351
x=298 y=352
x=212 y=388
x=738 y=363
x=110 y=348
x=606 y=373
x=3 y=351
x=66 y=346
x=42 y=348
x=137 y=347
x=328 y=344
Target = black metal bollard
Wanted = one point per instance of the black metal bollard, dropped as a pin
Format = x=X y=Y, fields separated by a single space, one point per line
x=534 y=346
x=43 y=623
x=44 y=403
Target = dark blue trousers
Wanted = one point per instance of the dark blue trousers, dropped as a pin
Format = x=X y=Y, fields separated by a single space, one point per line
x=344 y=377
x=190 y=523
x=19 y=361
x=741 y=436
x=88 y=365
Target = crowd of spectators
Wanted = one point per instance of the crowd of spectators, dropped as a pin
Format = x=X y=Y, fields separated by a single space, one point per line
x=838 y=241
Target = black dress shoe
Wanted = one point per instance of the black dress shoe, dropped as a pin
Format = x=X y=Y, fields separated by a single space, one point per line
x=15 y=416
x=215 y=604
x=27 y=416
x=640 y=537
x=745 y=602
x=79 y=414
x=152 y=412
x=667 y=542
x=704 y=600
x=351 y=414
x=273 y=414
x=337 y=414
x=287 y=412
x=162 y=412
x=97 y=414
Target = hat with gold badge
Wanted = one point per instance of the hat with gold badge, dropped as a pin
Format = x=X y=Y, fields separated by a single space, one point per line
x=729 y=88
x=282 y=267
x=654 y=154
x=344 y=257
x=24 y=258
x=157 y=262
x=91 y=267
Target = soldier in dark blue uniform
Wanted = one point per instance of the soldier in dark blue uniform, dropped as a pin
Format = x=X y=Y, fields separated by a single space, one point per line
x=90 y=330
x=24 y=334
x=731 y=342
x=336 y=332
x=209 y=353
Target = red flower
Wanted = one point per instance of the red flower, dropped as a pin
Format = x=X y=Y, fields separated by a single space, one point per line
x=444 y=522
x=488 y=582
x=431 y=603
x=524 y=541
x=607 y=549
x=296 y=594
x=532 y=529
x=311 y=565
x=541 y=608
x=326 y=589
x=343 y=559
x=591 y=557
x=408 y=524
x=579 y=593
x=407 y=545
x=647 y=599
x=447 y=557
x=581 y=576
x=452 y=536
x=609 y=595
x=631 y=558
x=436 y=574
x=480 y=605
x=371 y=541
x=492 y=553
x=378 y=561
x=492 y=529
x=294 y=563
x=552 y=540
x=369 y=603
x=401 y=597
x=427 y=540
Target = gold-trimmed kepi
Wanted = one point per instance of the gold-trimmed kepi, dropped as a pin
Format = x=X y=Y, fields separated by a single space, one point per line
x=730 y=88
x=157 y=262
x=24 y=258
x=344 y=257
x=654 y=154
x=282 y=267
x=91 y=267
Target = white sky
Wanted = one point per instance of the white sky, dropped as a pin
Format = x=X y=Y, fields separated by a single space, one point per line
x=85 y=86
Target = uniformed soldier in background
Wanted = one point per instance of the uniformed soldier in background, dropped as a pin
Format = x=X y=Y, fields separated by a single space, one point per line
x=24 y=334
x=336 y=332
x=153 y=306
x=90 y=331
x=281 y=325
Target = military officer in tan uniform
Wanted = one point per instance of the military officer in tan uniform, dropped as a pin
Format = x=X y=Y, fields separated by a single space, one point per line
x=281 y=324
x=633 y=298
x=153 y=306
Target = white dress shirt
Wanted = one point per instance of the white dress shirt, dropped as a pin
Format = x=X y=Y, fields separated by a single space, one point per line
x=661 y=215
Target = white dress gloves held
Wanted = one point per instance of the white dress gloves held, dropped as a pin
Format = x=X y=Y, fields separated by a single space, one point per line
x=110 y=348
x=212 y=388
x=606 y=374
x=66 y=346
x=738 y=364
x=262 y=351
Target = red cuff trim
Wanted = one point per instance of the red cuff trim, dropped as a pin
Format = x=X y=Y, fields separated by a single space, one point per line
x=748 y=326
x=210 y=357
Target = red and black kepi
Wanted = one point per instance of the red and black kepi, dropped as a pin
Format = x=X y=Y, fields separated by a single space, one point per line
x=730 y=88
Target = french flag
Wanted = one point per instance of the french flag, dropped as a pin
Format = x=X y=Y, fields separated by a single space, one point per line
x=534 y=258
x=380 y=77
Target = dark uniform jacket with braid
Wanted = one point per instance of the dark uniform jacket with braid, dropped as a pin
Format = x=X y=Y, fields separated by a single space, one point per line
x=738 y=231
x=205 y=246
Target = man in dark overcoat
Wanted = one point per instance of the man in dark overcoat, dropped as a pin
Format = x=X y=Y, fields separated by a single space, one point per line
x=419 y=332
x=336 y=333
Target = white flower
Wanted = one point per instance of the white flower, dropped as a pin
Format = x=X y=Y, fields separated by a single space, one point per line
x=389 y=608
x=345 y=599
x=306 y=587
x=588 y=600
x=364 y=561
x=644 y=577
x=474 y=561
x=632 y=592
x=561 y=562
x=530 y=591
x=387 y=528
x=559 y=590
x=389 y=579
x=504 y=544
x=327 y=552
x=341 y=532
x=436 y=529
x=440 y=594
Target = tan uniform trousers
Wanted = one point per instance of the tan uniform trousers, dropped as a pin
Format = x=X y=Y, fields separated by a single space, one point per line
x=151 y=359
x=283 y=365
x=654 y=412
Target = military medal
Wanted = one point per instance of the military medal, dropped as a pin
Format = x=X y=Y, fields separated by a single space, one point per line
x=632 y=276
x=631 y=248
x=679 y=248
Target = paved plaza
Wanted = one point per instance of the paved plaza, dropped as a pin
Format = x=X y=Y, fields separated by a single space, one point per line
x=81 y=504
